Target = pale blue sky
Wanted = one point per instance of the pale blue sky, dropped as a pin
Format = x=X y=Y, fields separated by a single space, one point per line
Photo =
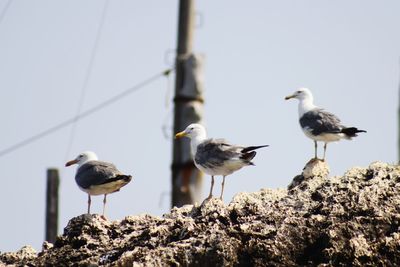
x=346 y=52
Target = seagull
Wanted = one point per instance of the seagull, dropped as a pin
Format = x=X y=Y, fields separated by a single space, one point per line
x=216 y=156
x=97 y=177
x=318 y=124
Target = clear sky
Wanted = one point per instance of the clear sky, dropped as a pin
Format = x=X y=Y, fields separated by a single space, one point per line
x=346 y=52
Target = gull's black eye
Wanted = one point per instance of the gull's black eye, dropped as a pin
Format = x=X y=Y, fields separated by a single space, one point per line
x=192 y=129
x=299 y=92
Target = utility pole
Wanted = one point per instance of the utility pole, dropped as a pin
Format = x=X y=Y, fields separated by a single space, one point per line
x=53 y=181
x=188 y=108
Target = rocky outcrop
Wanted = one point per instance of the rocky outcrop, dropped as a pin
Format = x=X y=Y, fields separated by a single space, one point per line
x=352 y=220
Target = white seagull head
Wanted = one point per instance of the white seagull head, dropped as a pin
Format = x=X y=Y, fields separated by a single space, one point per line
x=301 y=94
x=82 y=158
x=194 y=130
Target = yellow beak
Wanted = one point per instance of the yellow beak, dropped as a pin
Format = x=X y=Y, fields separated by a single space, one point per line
x=71 y=162
x=289 y=97
x=180 y=135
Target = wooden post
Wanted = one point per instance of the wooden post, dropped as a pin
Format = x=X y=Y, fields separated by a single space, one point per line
x=53 y=181
x=188 y=108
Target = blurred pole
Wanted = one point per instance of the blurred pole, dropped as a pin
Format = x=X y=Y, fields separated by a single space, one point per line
x=188 y=108
x=53 y=181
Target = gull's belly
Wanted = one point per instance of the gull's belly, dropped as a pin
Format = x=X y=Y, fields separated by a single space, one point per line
x=327 y=137
x=104 y=188
x=228 y=167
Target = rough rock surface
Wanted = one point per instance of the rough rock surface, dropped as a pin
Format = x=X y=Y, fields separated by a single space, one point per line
x=352 y=220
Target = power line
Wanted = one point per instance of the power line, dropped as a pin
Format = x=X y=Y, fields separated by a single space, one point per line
x=5 y=9
x=85 y=113
x=89 y=70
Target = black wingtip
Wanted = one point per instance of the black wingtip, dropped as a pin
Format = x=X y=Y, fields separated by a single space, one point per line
x=127 y=178
x=122 y=177
x=352 y=131
x=251 y=148
x=248 y=156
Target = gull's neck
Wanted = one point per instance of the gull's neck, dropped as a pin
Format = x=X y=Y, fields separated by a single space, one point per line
x=86 y=161
x=197 y=140
x=305 y=105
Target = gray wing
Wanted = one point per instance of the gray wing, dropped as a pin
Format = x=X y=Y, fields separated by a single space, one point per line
x=95 y=173
x=214 y=152
x=320 y=121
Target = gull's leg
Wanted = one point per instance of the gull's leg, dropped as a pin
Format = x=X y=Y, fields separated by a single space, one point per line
x=325 y=150
x=316 y=147
x=222 y=189
x=104 y=204
x=212 y=185
x=89 y=202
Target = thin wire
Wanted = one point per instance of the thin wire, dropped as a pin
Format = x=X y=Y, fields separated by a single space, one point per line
x=166 y=127
x=84 y=114
x=4 y=11
x=88 y=74
x=169 y=91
